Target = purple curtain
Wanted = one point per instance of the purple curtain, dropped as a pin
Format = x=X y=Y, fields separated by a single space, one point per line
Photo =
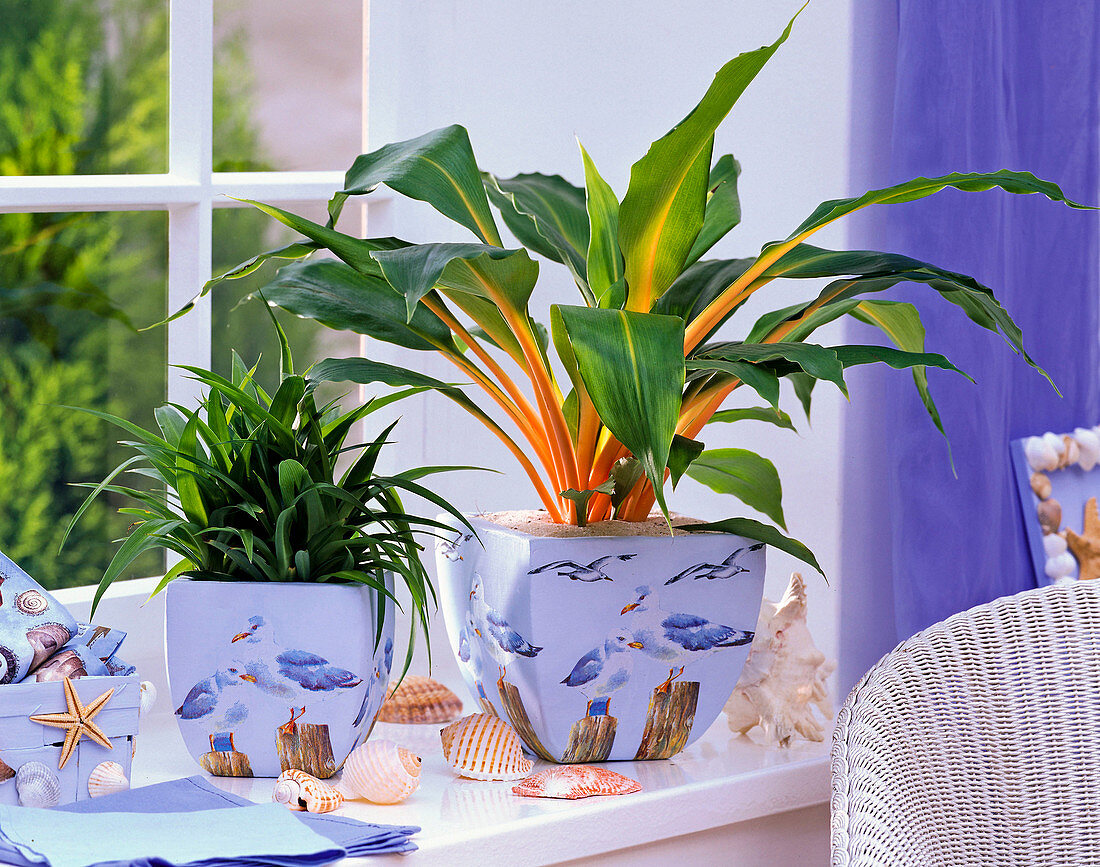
x=941 y=86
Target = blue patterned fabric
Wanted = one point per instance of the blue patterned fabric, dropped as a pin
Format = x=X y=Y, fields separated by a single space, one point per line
x=33 y=625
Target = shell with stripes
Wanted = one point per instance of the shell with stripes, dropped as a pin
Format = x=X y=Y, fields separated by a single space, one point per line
x=484 y=747
x=297 y=790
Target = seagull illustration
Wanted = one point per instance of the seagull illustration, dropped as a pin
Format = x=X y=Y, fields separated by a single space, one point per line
x=602 y=671
x=726 y=569
x=449 y=547
x=576 y=572
x=676 y=638
x=204 y=703
x=502 y=641
x=381 y=671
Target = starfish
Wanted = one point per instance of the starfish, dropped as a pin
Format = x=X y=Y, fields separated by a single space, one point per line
x=1086 y=547
x=77 y=721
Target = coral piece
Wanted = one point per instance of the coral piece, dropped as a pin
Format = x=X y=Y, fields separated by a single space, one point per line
x=299 y=791
x=380 y=772
x=1040 y=485
x=484 y=747
x=77 y=721
x=1050 y=516
x=1086 y=547
x=420 y=700
x=785 y=675
x=37 y=785
x=107 y=778
x=576 y=781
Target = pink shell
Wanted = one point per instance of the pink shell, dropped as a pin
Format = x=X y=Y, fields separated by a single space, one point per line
x=576 y=781
x=484 y=747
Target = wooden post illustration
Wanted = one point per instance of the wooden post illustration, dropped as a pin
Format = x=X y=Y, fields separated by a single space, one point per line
x=307 y=747
x=226 y=764
x=590 y=740
x=483 y=700
x=668 y=723
x=517 y=716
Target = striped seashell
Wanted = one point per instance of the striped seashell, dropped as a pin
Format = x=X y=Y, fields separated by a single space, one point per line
x=147 y=698
x=297 y=790
x=31 y=602
x=107 y=778
x=37 y=785
x=420 y=700
x=576 y=781
x=484 y=747
x=380 y=772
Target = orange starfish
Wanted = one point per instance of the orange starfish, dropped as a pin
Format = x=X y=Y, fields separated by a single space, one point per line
x=77 y=721
x=1086 y=547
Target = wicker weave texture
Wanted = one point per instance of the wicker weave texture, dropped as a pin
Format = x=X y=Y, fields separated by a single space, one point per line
x=977 y=741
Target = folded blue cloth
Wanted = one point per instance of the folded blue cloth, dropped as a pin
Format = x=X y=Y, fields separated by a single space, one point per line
x=33 y=625
x=197 y=793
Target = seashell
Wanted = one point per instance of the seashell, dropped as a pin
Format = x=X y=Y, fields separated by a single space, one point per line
x=107 y=778
x=380 y=772
x=1072 y=452
x=1050 y=516
x=1089 y=445
x=484 y=747
x=300 y=791
x=576 y=781
x=1040 y=454
x=31 y=602
x=6 y=771
x=37 y=785
x=420 y=700
x=1065 y=580
x=147 y=699
x=1061 y=566
x=1055 y=442
x=1040 y=485
x=1053 y=544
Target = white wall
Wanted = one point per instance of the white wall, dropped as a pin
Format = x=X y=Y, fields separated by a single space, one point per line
x=525 y=78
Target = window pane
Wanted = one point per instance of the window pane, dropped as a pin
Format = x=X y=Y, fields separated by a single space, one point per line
x=69 y=284
x=298 y=67
x=83 y=87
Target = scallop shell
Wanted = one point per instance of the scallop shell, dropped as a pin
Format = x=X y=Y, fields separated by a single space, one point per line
x=148 y=697
x=37 y=785
x=107 y=778
x=1089 y=445
x=1050 y=516
x=380 y=772
x=576 y=781
x=1040 y=485
x=484 y=747
x=420 y=700
x=299 y=791
x=31 y=602
x=1041 y=454
x=1061 y=566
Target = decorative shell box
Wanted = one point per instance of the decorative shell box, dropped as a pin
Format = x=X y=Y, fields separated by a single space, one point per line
x=69 y=706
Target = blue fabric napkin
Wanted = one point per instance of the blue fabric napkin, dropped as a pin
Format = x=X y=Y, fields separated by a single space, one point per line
x=197 y=793
x=33 y=625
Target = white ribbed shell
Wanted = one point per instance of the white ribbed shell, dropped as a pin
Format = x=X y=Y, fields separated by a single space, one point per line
x=380 y=772
x=485 y=747
x=107 y=778
x=37 y=785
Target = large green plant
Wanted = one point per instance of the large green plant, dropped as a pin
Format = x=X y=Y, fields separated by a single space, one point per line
x=646 y=369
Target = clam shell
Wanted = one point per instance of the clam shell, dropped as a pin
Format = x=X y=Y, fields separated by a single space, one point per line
x=1088 y=444
x=1040 y=485
x=1050 y=516
x=420 y=700
x=148 y=697
x=107 y=778
x=576 y=781
x=484 y=747
x=31 y=602
x=300 y=791
x=37 y=785
x=380 y=772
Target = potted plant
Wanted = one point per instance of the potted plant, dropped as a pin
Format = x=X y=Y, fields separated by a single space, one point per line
x=280 y=612
x=550 y=628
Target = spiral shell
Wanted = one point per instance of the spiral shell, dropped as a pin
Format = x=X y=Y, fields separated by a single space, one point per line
x=297 y=790
x=37 y=785
x=147 y=698
x=107 y=778
x=31 y=602
x=380 y=772
x=484 y=747
x=420 y=700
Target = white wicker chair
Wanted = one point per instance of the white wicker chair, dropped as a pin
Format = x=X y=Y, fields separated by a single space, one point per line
x=977 y=741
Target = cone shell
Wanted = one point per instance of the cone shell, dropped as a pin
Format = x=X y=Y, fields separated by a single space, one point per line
x=300 y=791
x=148 y=697
x=380 y=772
x=576 y=781
x=420 y=700
x=37 y=785
x=484 y=747
x=107 y=778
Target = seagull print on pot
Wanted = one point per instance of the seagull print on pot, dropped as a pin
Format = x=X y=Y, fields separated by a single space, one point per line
x=217 y=714
x=603 y=671
x=450 y=547
x=726 y=569
x=676 y=638
x=502 y=641
x=577 y=572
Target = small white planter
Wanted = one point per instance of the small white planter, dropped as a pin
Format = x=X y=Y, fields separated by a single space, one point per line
x=573 y=640
x=266 y=676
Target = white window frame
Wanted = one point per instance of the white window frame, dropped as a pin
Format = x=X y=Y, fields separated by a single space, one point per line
x=189 y=191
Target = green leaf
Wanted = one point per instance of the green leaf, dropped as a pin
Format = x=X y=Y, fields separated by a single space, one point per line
x=681 y=455
x=758 y=532
x=295 y=251
x=771 y=415
x=745 y=475
x=817 y=361
x=699 y=285
x=581 y=498
x=438 y=168
x=803 y=389
x=632 y=366
x=625 y=473
x=663 y=211
x=189 y=460
x=852 y=355
x=723 y=207
x=605 y=261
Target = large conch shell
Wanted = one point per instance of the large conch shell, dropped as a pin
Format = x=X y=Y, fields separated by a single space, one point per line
x=107 y=778
x=37 y=785
x=785 y=675
x=297 y=790
x=380 y=772
x=485 y=747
